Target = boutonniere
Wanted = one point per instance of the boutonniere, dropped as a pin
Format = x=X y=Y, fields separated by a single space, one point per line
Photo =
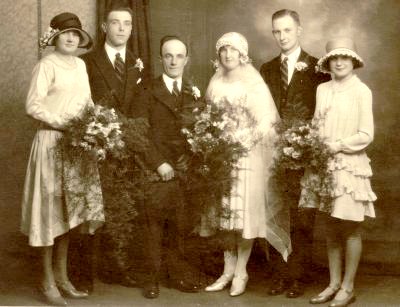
x=196 y=92
x=139 y=64
x=193 y=91
x=301 y=66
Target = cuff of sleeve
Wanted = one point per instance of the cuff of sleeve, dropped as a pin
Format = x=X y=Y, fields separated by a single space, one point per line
x=337 y=146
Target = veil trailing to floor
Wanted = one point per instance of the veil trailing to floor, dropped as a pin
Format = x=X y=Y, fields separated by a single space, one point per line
x=274 y=226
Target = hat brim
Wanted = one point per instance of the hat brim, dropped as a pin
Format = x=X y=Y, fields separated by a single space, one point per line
x=323 y=63
x=85 y=41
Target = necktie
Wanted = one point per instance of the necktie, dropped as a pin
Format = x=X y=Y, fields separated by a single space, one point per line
x=175 y=89
x=284 y=74
x=119 y=66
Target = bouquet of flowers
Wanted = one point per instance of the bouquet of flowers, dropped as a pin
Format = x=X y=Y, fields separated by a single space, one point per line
x=103 y=141
x=96 y=133
x=223 y=132
x=300 y=147
x=223 y=126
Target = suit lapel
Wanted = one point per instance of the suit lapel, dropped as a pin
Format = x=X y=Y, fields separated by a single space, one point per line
x=275 y=84
x=107 y=71
x=161 y=93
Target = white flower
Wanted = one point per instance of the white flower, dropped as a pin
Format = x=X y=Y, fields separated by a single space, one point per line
x=101 y=154
x=296 y=155
x=196 y=92
x=288 y=150
x=301 y=66
x=139 y=65
x=46 y=36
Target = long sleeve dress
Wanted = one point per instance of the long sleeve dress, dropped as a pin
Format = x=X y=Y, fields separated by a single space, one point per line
x=58 y=92
x=253 y=210
x=346 y=109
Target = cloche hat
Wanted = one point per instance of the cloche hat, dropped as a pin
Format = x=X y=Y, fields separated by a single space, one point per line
x=237 y=41
x=340 y=46
x=62 y=23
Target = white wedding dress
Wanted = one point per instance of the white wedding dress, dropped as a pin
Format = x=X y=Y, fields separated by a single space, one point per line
x=253 y=205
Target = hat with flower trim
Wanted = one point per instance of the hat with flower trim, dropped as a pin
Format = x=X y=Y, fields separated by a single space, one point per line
x=340 y=46
x=62 y=23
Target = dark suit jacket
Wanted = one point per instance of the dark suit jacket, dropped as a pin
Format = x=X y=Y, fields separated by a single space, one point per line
x=165 y=115
x=299 y=103
x=126 y=97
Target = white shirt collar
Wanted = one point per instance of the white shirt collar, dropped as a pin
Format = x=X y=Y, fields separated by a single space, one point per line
x=293 y=57
x=169 y=82
x=111 y=52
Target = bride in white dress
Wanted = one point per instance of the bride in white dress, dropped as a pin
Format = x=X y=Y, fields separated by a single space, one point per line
x=252 y=207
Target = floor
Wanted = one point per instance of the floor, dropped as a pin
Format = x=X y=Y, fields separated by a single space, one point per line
x=17 y=288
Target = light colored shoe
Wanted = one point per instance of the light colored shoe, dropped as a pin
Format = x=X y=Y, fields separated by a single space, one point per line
x=220 y=283
x=68 y=290
x=238 y=285
x=53 y=296
x=350 y=298
x=323 y=298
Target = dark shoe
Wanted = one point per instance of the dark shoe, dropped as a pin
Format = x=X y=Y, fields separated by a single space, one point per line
x=53 y=296
x=184 y=286
x=320 y=299
x=295 y=290
x=344 y=302
x=127 y=281
x=151 y=290
x=68 y=290
x=278 y=287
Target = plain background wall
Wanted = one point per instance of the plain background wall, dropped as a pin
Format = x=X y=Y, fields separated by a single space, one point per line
x=18 y=55
x=372 y=23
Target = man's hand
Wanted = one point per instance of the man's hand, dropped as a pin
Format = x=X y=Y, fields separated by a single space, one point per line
x=165 y=171
x=182 y=163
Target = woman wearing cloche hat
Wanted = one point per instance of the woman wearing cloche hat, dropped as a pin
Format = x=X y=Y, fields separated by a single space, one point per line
x=345 y=105
x=59 y=90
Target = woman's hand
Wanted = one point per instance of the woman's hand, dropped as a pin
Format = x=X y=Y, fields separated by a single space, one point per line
x=335 y=146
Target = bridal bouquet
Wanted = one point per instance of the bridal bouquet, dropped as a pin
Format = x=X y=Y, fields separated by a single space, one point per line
x=94 y=134
x=223 y=132
x=222 y=128
x=300 y=147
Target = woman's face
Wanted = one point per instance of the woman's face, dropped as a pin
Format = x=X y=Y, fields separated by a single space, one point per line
x=229 y=57
x=341 y=66
x=67 y=42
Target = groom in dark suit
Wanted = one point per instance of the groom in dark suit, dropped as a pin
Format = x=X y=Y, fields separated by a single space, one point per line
x=115 y=76
x=171 y=98
x=292 y=80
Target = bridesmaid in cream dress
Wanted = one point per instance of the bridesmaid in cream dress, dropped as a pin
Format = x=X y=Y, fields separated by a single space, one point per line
x=252 y=214
x=345 y=103
x=59 y=90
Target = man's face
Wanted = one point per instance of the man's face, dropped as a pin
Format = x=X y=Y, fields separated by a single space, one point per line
x=286 y=33
x=118 y=28
x=174 y=58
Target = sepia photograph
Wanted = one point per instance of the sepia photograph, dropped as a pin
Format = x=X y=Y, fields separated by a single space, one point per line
x=199 y=153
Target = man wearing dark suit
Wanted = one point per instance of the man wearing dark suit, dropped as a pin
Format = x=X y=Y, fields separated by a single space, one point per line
x=115 y=79
x=292 y=79
x=170 y=99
